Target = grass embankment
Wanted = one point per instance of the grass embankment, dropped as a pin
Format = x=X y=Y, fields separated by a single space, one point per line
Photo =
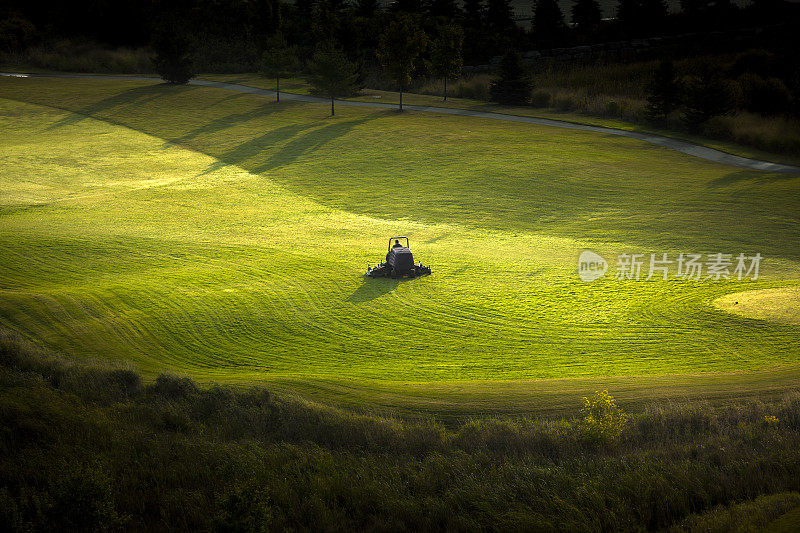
x=240 y=259
x=88 y=446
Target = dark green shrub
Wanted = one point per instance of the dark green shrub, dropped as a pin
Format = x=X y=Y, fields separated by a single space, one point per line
x=173 y=387
x=768 y=96
x=513 y=86
x=174 y=419
x=126 y=383
x=565 y=103
x=759 y=62
x=16 y=33
x=82 y=499
x=613 y=108
x=789 y=412
x=10 y=516
x=243 y=510
x=706 y=95
x=718 y=128
x=541 y=99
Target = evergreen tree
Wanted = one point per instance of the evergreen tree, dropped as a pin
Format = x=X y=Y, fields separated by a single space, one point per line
x=407 y=6
x=548 y=22
x=653 y=15
x=331 y=74
x=400 y=47
x=474 y=31
x=586 y=14
x=499 y=15
x=513 y=86
x=327 y=21
x=447 y=9
x=707 y=95
x=366 y=8
x=173 y=48
x=305 y=8
x=663 y=93
x=474 y=11
x=446 y=54
x=639 y=17
x=628 y=13
x=265 y=18
x=279 y=61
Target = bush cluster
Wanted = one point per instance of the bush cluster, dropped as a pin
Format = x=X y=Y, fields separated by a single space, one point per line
x=92 y=446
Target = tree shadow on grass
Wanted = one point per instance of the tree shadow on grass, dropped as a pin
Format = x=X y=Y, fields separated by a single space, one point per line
x=752 y=176
x=373 y=288
x=311 y=142
x=259 y=154
x=138 y=95
x=246 y=153
x=223 y=123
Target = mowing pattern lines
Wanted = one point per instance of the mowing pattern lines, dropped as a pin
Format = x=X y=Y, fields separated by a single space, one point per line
x=230 y=274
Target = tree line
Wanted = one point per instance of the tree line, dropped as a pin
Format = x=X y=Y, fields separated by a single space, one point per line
x=490 y=27
x=337 y=45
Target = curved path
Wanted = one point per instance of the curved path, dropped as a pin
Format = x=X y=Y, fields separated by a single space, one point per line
x=696 y=150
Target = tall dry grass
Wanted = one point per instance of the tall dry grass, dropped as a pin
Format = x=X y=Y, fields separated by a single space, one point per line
x=90 y=446
x=618 y=91
x=85 y=57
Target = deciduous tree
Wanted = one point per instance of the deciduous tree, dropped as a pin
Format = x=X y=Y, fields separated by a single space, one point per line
x=400 y=47
x=446 y=57
x=279 y=61
x=331 y=74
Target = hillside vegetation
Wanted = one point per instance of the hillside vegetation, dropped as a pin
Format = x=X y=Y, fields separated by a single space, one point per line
x=90 y=447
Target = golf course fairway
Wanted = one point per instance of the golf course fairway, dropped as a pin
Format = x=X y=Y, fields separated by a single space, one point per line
x=225 y=236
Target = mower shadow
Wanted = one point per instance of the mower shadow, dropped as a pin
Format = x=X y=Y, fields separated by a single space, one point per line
x=372 y=288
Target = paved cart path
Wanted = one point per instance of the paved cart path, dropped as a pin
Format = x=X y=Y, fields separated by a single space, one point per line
x=686 y=147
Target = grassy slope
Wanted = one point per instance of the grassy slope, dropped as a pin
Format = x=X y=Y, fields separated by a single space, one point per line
x=85 y=445
x=244 y=264
x=299 y=86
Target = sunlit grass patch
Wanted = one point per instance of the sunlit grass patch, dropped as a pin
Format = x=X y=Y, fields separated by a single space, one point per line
x=780 y=304
x=225 y=236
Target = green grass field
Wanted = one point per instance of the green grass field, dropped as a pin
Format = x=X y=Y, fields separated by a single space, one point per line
x=300 y=86
x=224 y=236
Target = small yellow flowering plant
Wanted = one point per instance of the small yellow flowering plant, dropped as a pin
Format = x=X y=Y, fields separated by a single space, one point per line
x=603 y=421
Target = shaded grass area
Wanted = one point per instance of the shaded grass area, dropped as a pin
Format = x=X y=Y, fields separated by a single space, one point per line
x=743 y=132
x=471 y=172
x=247 y=266
x=786 y=523
x=89 y=446
x=756 y=515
